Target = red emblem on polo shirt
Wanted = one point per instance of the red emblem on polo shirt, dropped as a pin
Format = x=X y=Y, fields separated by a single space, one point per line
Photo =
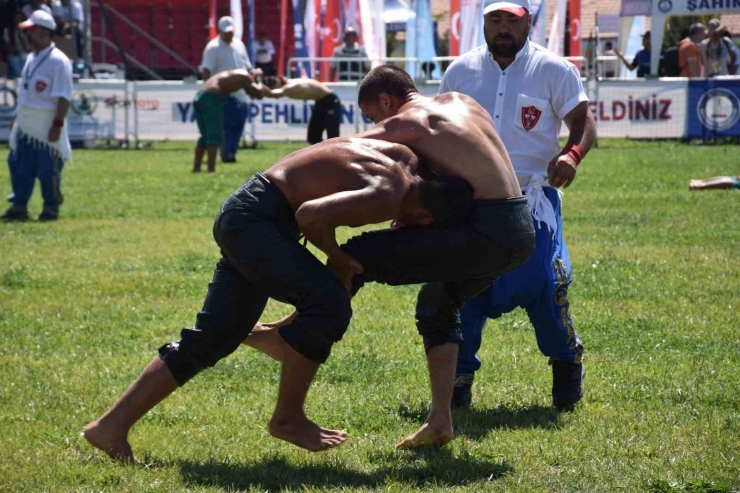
x=40 y=86
x=530 y=117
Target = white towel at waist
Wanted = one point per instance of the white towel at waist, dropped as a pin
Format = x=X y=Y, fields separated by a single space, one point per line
x=34 y=124
x=542 y=210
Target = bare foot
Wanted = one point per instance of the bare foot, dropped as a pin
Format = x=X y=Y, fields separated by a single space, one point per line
x=306 y=434
x=426 y=436
x=266 y=338
x=111 y=441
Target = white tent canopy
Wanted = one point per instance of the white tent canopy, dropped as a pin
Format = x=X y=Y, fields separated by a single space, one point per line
x=397 y=12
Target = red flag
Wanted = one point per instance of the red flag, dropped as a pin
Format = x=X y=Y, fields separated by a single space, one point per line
x=454 y=27
x=574 y=10
x=283 y=34
x=331 y=35
x=212 y=32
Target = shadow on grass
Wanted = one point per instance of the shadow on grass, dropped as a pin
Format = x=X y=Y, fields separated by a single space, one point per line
x=416 y=469
x=476 y=423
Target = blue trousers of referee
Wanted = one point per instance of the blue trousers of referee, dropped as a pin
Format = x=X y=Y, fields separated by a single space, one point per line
x=540 y=286
x=235 y=116
x=28 y=162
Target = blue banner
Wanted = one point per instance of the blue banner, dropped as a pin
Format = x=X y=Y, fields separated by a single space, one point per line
x=252 y=35
x=300 y=42
x=420 y=41
x=714 y=108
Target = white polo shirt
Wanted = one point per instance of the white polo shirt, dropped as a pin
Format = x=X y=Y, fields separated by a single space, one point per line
x=527 y=101
x=60 y=11
x=219 y=56
x=264 y=51
x=46 y=76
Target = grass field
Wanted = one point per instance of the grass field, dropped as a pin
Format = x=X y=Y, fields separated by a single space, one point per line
x=86 y=301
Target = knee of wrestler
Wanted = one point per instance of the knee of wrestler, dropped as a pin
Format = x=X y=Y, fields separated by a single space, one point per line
x=323 y=318
x=437 y=316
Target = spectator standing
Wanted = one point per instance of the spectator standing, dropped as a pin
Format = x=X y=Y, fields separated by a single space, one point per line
x=70 y=19
x=221 y=54
x=38 y=140
x=349 y=70
x=726 y=35
x=610 y=66
x=33 y=6
x=689 y=56
x=264 y=52
x=528 y=92
x=18 y=47
x=641 y=62
x=719 y=58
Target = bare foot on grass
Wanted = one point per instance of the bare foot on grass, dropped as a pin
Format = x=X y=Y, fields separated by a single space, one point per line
x=425 y=437
x=111 y=441
x=306 y=434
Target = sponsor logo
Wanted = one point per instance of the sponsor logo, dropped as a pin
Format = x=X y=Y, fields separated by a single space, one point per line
x=637 y=110
x=718 y=109
x=530 y=117
x=713 y=5
x=265 y=113
x=8 y=101
x=147 y=104
x=40 y=86
x=665 y=6
x=84 y=103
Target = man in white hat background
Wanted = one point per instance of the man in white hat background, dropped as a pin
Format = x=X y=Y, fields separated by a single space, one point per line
x=38 y=140
x=222 y=53
x=528 y=91
x=718 y=52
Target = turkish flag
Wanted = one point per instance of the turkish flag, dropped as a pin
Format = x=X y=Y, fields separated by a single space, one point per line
x=332 y=33
x=574 y=12
x=454 y=27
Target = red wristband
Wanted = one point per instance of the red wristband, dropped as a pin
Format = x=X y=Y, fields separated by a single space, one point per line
x=575 y=151
x=58 y=122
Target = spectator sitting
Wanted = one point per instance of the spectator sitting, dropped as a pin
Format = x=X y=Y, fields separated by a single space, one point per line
x=641 y=62
x=34 y=5
x=717 y=52
x=349 y=70
x=610 y=66
x=70 y=17
x=689 y=57
x=723 y=182
x=264 y=51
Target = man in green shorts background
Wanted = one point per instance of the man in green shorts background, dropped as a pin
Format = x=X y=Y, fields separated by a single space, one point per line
x=208 y=111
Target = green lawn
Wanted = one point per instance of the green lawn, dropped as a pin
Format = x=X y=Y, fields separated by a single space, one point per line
x=86 y=301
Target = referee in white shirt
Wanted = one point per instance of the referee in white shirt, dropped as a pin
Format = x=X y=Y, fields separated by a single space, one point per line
x=39 y=144
x=528 y=92
x=222 y=53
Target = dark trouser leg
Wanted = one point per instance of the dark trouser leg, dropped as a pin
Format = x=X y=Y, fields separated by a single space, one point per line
x=316 y=124
x=234 y=119
x=333 y=118
x=50 y=177
x=22 y=164
x=231 y=308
